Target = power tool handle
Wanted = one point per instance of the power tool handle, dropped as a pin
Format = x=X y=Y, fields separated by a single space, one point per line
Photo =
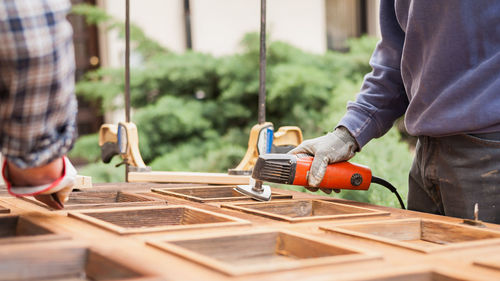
x=341 y=175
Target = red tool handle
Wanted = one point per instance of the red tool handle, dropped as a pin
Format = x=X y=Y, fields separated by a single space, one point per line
x=342 y=175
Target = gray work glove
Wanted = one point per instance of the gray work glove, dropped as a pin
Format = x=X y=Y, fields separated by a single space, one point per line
x=330 y=148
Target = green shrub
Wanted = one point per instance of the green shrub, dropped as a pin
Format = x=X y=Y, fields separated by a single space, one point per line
x=87 y=148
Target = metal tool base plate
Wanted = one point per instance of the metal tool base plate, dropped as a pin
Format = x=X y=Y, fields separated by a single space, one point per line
x=249 y=190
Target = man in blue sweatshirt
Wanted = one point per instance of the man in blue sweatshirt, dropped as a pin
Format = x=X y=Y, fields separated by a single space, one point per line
x=438 y=62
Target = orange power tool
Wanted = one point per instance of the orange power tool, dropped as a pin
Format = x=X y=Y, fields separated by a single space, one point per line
x=294 y=170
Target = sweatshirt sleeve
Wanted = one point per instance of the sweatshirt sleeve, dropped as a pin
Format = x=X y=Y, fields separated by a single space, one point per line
x=382 y=98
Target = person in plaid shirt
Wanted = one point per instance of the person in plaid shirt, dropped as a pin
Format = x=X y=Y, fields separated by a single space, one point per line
x=37 y=103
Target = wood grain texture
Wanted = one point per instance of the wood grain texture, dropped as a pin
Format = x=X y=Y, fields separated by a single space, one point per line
x=154 y=219
x=4 y=210
x=255 y=252
x=82 y=182
x=94 y=200
x=303 y=210
x=3 y=191
x=420 y=273
x=261 y=251
x=490 y=261
x=211 y=193
x=187 y=177
x=60 y=261
x=15 y=230
x=423 y=235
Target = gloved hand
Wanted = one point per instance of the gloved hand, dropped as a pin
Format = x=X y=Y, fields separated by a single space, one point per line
x=330 y=148
x=50 y=184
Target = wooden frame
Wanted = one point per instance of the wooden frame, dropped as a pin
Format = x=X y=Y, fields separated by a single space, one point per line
x=211 y=193
x=491 y=261
x=417 y=273
x=94 y=199
x=422 y=235
x=261 y=251
x=136 y=220
x=187 y=177
x=304 y=210
x=15 y=229
x=4 y=192
x=4 y=210
x=63 y=261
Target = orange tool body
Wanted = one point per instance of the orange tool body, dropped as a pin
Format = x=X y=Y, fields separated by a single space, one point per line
x=342 y=175
x=294 y=169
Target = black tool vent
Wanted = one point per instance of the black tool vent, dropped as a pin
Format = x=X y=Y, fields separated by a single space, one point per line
x=278 y=168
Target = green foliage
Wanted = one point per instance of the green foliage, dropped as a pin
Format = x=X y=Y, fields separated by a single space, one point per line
x=194 y=111
x=167 y=123
x=86 y=148
x=101 y=172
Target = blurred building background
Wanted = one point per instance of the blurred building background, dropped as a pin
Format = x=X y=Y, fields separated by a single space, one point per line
x=216 y=27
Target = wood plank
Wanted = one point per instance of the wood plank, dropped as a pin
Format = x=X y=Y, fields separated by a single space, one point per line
x=82 y=182
x=253 y=252
x=211 y=193
x=491 y=261
x=187 y=177
x=154 y=219
x=274 y=258
x=16 y=230
x=61 y=261
x=96 y=200
x=4 y=210
x=304 y=210
x=442 y=236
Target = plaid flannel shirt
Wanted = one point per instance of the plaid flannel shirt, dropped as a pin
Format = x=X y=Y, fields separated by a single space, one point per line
x=37 y=102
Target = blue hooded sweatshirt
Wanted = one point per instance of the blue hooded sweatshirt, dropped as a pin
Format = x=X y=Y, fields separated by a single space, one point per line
x=438 y=62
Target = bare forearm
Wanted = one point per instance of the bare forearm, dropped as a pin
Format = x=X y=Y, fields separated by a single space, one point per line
x=41 y=175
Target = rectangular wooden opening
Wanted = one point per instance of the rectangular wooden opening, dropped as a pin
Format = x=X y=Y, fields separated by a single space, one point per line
x=255 y=252
x=151 y=219
x=211 y=193
x=17 y=229
x=303 y=210
x=420 y=234
x=53 y=261
x=91 y=199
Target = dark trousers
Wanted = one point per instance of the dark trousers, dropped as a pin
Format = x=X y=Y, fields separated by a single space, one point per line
x=450 y=174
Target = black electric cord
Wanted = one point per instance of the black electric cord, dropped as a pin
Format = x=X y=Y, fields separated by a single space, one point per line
x=389 y=186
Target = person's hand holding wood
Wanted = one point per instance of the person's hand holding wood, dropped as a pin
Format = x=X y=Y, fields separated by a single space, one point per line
x=51 y=183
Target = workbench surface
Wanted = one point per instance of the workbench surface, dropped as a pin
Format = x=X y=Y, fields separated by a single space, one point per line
x=148 y=231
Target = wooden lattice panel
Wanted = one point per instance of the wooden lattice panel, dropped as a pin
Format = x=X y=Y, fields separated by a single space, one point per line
x=195 y=239
x=94 y=200
x=61 y=261
x=421 y=235
x=265 y=251
x=154 y=219
x=211 y=193
x=16 y=229
x=304 y=210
